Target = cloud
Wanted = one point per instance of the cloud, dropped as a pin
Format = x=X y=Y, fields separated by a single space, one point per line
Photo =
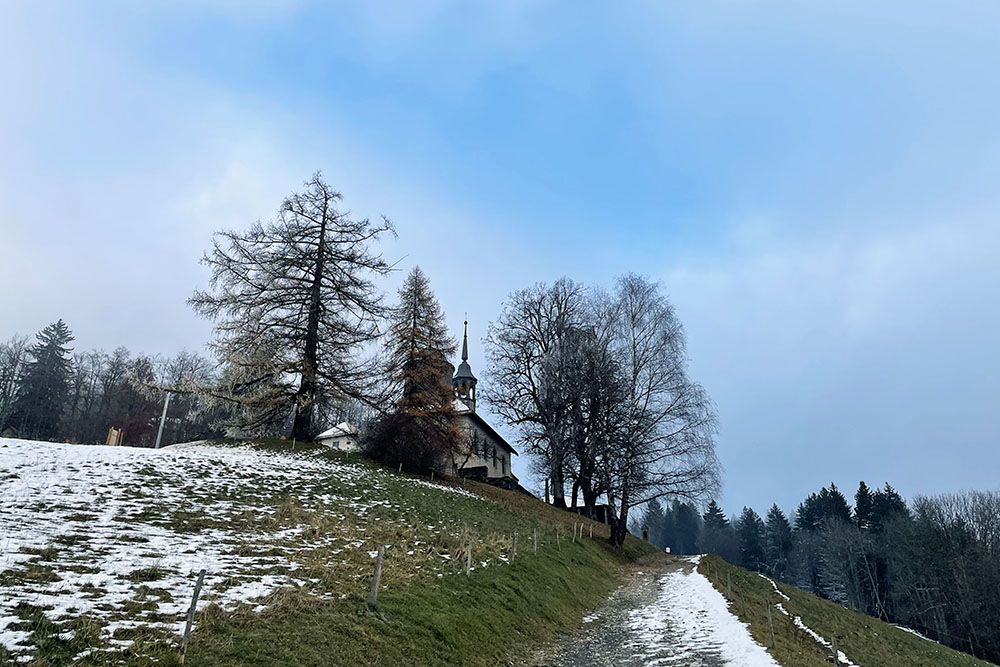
x=849 y=356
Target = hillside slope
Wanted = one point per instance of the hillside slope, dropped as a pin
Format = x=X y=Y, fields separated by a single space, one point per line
x=99 y=548
x=804 y=626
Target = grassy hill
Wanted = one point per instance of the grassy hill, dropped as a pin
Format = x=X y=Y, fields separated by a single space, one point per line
x=860 y=638
x=100 y=563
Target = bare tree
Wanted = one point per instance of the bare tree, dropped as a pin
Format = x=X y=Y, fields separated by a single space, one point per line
x=12 y=358
x=662 y=443
x=521 y=349
x=299 y=287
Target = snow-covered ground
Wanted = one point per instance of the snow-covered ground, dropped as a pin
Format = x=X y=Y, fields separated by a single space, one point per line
x=669 y=617
x=698 y=620
x=118 y=534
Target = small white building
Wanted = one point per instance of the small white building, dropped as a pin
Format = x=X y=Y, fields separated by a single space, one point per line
x=343 y=437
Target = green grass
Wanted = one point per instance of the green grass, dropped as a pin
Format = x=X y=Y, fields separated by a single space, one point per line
x=429 y=612
x=865 y=640
x=496 y=614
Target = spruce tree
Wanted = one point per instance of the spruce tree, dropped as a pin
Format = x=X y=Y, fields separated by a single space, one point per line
x=750 y=534
x=652 y=518
x=863 y=507
x=420 y=430
x=44 y=384
x=714 y=517
x=777 y=541
x=887 y=504
x=688 y=527
x=718 y=536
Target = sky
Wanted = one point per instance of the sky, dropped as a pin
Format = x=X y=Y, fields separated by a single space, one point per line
x=813 y=183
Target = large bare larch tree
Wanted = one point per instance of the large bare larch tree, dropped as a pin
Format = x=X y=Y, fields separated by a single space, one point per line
x=294 y=302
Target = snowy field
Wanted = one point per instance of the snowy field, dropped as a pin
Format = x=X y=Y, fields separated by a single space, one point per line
x=102 y=544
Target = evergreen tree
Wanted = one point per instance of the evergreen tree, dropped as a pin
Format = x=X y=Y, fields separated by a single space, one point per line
x=887 y=504
x=421 y=431
x=668 y=529
x=44 y=384
x=652 y=518
x=750 y=534
x=714 y=517
x=718 y=536
x=863 y=507
x=688 y=527
x=819 y=508
x=777 y=541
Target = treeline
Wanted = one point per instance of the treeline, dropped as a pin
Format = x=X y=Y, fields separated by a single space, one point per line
x=49 y=391
x=932 y=565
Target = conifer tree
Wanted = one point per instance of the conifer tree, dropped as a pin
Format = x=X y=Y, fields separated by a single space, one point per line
x=44 y=384
x=301 y=288
x=421 y=430
x=863 y=507
x=714 y=517
x=687 y=523
x=750 y=534
x=887 y=504
x=717 y=535
x=777 y=541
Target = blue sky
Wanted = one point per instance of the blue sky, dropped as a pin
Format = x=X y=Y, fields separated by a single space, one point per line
x=815 y=184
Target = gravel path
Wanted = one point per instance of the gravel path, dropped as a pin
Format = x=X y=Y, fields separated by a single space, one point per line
x=666 y=614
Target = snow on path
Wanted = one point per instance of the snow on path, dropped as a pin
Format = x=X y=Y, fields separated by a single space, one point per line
x=673 y=616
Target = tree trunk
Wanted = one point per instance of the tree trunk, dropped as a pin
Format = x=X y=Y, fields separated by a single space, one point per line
x=558 y=489
x=305 y=398
x=620 y=528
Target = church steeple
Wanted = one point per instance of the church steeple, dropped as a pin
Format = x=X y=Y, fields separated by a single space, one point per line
x=465 y=342
x=464 y=382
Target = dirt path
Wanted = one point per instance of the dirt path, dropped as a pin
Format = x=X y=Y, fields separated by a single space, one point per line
x=666 y=614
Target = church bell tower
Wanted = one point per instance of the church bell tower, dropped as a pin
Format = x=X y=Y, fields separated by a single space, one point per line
x=464 y=382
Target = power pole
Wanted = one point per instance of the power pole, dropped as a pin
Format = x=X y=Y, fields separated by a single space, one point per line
x=163 y=419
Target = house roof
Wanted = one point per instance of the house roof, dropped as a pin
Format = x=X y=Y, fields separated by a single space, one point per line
x=339 y=431
x=462 y=409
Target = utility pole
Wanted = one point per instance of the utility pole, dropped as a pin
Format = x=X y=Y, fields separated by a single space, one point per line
x=163 y=419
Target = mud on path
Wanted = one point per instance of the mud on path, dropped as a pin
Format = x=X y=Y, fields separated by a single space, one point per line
x=665 y=614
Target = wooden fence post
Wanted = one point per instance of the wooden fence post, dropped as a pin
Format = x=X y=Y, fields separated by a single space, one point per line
x=377 y=579
x=833 y=645
x=769 y=624
x=591 y=531
x=515 y=544
x=190 y=615
x=536 y=540
x=468 y=560
x=574 y=532
x=558 y=543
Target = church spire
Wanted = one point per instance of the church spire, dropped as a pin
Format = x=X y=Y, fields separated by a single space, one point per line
x=465 y=342
x=464 y=381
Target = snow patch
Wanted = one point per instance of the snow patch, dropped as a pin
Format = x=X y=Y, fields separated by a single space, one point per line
x=691 y=609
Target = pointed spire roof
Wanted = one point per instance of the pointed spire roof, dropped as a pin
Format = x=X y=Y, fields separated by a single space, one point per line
x=464 y=369
x=465 y=342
